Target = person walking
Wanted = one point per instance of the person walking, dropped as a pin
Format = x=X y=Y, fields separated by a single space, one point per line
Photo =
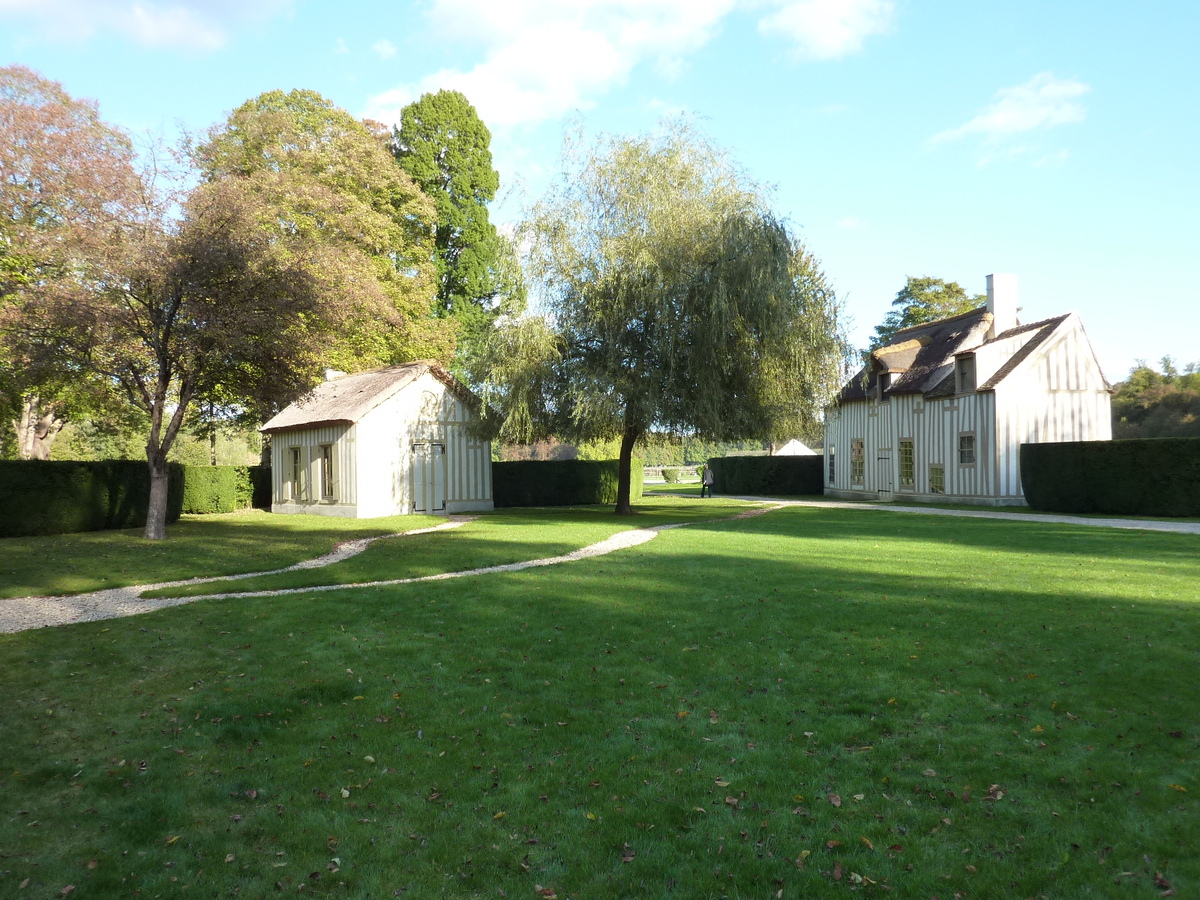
x=706 y=482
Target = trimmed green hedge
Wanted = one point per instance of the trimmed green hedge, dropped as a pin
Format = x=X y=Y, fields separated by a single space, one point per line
x=220 y=489
x=62 y=497
x=41 y=497
x=1148 y=477
x=768 y=475
x=566 y=482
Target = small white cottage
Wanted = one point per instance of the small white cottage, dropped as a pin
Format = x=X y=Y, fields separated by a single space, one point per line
x=943 y=410
x=380 y=443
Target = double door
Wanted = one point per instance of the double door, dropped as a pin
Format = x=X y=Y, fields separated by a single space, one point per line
x=428 y=477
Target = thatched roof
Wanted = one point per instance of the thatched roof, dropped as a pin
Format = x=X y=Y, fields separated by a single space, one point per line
x=347 y=398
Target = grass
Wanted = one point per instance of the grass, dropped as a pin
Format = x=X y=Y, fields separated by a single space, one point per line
x=811 y=701
x=500 y=538
x=196 y=546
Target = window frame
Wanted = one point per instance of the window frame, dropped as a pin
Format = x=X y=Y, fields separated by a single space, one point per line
x=906 y=456
x=963 y=448
x=832 y=464
x=964 y=366
x=296 y=474
x=858 y=461
x=327 y=457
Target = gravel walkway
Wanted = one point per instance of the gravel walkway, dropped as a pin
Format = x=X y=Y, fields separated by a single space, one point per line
x=22 y=613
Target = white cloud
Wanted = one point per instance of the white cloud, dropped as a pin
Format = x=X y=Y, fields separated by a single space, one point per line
x=385 y=49
x=201 y=25
x=1042 y=102
x=544 y=58
x=828 y=29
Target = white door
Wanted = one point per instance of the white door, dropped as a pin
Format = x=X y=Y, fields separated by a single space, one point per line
x=429 y=477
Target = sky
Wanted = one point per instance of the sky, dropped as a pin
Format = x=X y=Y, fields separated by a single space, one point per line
x=952 y=138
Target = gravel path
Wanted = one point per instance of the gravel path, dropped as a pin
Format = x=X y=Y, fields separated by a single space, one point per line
x=22 y=613
x=1087 y=521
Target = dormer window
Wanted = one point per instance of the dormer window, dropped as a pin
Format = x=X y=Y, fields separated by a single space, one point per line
x=885 y=382
x=964 y=374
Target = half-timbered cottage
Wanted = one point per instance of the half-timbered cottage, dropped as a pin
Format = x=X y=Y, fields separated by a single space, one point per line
x=380 y=443
x=942 y=411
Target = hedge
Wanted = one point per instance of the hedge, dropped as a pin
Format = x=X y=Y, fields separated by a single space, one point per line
x=768 y=475
x=65 y=497
x=40 y=497
x=1146 y=477
x=220 y=489
x=567 y=482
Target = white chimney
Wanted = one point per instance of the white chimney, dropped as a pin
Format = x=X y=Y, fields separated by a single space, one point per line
x=1002 y=302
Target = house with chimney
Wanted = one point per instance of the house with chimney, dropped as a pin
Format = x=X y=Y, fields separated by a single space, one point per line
x=386 y=442
x=941 y=412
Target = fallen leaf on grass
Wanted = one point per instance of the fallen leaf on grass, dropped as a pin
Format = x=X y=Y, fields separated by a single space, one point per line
x=867 y=843
x=627 y=853
x=172 y=839
x=995 y=792
x=546 y=892
x=1177 y=787
x=721 y=782
x=683 y=714
x=66 y=890
x=92 y=863
x=804 y=854
x=835 y=799
x=837 y=871
x=229 y=857
x=731 y=801
x=929 y=773
x=829 y=845
x=499 y=815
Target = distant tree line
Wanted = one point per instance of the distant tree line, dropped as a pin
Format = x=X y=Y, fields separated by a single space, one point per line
x=1152 y=403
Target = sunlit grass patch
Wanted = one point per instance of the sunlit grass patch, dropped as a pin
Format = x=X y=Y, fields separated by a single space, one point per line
x=808 y=701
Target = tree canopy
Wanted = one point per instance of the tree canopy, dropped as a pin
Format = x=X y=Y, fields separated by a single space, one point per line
x=327 y=175
x=675 y=299
x=446 y=148
x=65 y=178
x=921 y=300
x=1152 y=404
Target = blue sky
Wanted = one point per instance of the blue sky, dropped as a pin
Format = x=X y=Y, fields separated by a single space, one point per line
x=1056 y=140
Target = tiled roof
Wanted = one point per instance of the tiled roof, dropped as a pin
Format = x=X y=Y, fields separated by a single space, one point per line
x=347 y=398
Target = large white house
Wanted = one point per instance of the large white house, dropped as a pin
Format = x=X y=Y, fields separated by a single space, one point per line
x=380 y=443
x=943 y=410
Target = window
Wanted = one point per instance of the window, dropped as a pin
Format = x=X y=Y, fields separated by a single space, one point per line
x=907 y=465
x=327 y=471
x=937 y=479
x=832 y=449
x=966 y=449
x=857 y=461
x=885 y=382
x=296 y=473
x=964 y=374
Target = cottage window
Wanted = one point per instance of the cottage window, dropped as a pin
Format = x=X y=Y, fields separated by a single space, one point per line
x=966 y=449
x=327 y=471
x=832 y=449
x=885 y=382
x=964 y=372
x=937 y=479
x=907 y=465
x=857 y=461
x=296 y=473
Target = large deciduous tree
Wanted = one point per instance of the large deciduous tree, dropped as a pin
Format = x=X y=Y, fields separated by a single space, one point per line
x=921 y=300
x=675 y=299
x=444 y=145
x=65 y=179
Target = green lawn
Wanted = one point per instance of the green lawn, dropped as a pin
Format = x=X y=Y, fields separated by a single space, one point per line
x=810 y=701
x=251 y=540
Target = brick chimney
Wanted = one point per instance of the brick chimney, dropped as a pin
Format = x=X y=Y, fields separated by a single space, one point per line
x=1002 y=302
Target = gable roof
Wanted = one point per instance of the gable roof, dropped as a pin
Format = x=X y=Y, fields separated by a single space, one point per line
x=917 y=355
x=347 y=398
x=921 y=358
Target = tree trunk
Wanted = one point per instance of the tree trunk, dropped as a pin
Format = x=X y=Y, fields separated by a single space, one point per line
x=37 y=428
x=156 y=513
x=628 y=439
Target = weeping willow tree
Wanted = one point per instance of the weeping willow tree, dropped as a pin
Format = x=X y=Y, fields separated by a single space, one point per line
x=673 y=299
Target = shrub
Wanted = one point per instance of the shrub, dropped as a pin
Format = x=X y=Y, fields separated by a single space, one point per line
x=1148 y=477
x=768 y=474
x=220 y=489
x=570 y=482
x=41 y=497
x=671 y=474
